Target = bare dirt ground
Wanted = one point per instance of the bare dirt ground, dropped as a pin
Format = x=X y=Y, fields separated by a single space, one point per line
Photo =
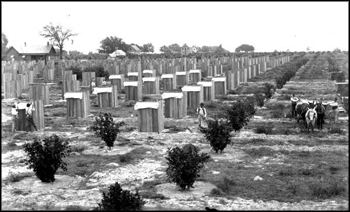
x=137 y=161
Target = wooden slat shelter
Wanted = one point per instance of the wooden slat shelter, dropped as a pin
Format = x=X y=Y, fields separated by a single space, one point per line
x=150 y=116
x=78 y=104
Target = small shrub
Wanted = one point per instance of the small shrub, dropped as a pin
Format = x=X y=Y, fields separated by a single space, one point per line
x=59 y=114
x=73 y=208
x=218 y=134
x=277 y=114
x=78 y=148
x=184 y=165
x=268 y=90
x=335 y=130
x=286 y=172
x=257 y=140
x=259 y=99
x=46 y=157
x=226 y=185
x=117 y=199
x=16 y=177
x=293 y=188
x=239 y=113
x=216 y=192
x=326 y=189
x=264 y=130
x=77 y=70
x=106 y=128
x=232 y=92
x=99 y=71
x=125 y=158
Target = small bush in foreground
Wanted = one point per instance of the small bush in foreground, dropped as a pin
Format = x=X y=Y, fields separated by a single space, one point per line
x=106 y=128
x=46 y=157
x=184 y=165
x=117 y=199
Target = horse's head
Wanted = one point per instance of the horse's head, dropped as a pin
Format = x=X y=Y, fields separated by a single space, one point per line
x=312 y=114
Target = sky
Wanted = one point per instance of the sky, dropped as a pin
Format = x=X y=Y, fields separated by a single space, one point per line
x=268 y=26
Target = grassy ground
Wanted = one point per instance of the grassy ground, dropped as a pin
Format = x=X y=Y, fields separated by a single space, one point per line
x=288 y=175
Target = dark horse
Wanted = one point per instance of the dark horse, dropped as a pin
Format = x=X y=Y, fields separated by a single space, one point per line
x=301 y=109
x=320 y=109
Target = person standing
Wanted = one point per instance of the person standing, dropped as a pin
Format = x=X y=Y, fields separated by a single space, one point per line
x=335 y=109
x=202 y=114
x=294 y=100
x=29 y=116
x=14 y=113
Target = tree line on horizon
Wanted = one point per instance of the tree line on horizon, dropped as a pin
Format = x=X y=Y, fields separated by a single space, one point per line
x=58 y=36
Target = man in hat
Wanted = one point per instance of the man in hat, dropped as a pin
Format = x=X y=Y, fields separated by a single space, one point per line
x=294 y=100
x=29 y=116
x=335 y=109
x=202 y=114
x=14 y=113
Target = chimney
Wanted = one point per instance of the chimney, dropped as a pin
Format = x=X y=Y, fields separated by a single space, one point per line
x=25 y=44
x=47 y=43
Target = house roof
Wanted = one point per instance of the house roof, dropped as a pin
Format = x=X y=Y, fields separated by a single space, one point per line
x=34 y=49
x=117 y=53
x=135 y=48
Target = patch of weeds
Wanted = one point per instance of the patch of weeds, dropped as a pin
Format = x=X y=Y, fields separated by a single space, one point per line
x=129 y=103
x=60 y=114
x=12 y=146
x=335 y=130
x=303 y=153
x=327 y=189
x=259 y=152
x=129 y=128
x=226 y=185
x=24 y=136
x=277 y=114
x=263 y=130
x=152 y=195
x=125 y=158
x=287 y=171
x=138 y=153
x=17 y=192
x=16 y=177
x=283 y=97
x=217 y=192
x=74 y=208
x=293 y=188
x=175 y=129
x=334 y=169
x=78 y=148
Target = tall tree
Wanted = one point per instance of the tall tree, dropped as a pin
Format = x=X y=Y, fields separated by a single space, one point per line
x=245 y=48
x=165 y=49
x=148 y=47
x=175 y=48
x=57 y=35
x=4 y=42
x=110 y=44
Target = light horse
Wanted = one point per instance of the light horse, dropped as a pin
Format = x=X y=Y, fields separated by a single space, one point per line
x=310 y=118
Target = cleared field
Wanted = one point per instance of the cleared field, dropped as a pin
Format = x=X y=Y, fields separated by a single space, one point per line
x=273 y=163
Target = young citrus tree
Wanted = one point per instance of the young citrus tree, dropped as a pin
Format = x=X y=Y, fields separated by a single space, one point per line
x=106 y=128
x=45 y=156
x=218 y=134
x=184 y=165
